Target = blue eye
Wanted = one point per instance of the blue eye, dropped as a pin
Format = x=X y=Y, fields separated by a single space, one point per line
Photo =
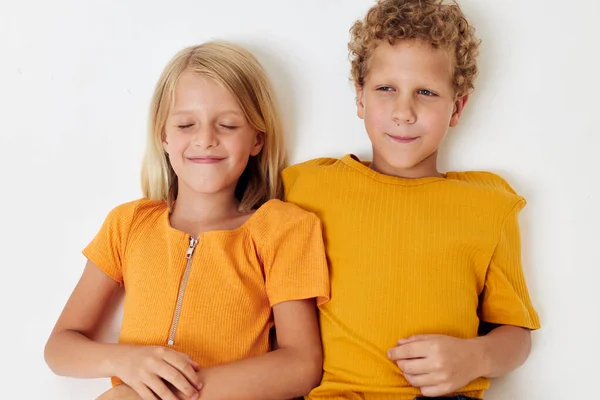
x=427 y=93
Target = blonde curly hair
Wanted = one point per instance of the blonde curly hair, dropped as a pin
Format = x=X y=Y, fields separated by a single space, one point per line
x=433 y=21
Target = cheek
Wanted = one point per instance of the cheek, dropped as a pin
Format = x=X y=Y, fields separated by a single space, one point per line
x=175 y=142
x=175 y=148
x=437 y=118
x=239 y=146
x=377 y=113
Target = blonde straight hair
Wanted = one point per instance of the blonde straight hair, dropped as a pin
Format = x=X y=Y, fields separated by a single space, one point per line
x=238 y=71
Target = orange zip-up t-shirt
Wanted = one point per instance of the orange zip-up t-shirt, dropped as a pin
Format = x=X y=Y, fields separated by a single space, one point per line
x=209 y=297
x=434 y=255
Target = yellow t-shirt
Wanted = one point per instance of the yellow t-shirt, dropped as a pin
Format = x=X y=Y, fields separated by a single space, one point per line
x=222 y=312
x=434 y=255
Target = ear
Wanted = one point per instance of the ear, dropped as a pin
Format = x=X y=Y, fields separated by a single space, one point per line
x=360 y=103
x=459 y=106
x=258 y=144
x=165 y=144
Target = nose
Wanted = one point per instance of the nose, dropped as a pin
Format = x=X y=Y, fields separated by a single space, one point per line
x=404 y=111
x=205 y=137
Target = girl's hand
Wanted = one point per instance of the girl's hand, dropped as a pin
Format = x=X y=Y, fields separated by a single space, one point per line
x=149 y=370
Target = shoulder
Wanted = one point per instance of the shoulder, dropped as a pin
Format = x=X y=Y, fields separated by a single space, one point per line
x=490 y=188
x=276 y=216
x=313 y=164
x=279 y=213
x=291 y=173
x=308 y=176
x=140 y=209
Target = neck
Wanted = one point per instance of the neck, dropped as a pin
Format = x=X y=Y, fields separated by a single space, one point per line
x=424 y=169
x=205 y=208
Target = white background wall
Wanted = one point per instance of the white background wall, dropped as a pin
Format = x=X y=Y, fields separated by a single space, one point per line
x=76 y=79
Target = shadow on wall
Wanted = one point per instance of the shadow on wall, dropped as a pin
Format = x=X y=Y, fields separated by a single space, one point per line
x=451 y=148
x=283 y=88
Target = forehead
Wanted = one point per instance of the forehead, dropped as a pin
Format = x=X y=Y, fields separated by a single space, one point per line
x=194 y=90
x=411 y=58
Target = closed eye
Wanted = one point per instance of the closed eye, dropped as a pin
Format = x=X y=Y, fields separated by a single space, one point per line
x=185 y=126
x=229 y=127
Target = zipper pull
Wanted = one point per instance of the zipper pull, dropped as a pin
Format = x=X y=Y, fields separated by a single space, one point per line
x=191 y=247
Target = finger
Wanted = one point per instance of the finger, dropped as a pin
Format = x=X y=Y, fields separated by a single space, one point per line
x=177 y=379
x=177 y=393
x=160 y=389
x=408 y=351
x=181 y=363
x=181 y=396
x=417 y=366
x=144 y=392
x=193 y=363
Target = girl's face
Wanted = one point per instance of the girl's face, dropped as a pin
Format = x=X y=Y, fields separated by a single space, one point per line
x=207 y=136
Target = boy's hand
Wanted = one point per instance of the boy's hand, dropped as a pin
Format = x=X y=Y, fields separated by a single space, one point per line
x=439 y=365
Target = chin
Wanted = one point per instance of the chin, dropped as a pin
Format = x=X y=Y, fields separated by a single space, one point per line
x=205 y=187
x=209 y=189
x=401 y=164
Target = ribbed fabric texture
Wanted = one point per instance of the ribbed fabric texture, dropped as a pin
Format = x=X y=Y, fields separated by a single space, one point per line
x=235 y=278
x=408 y=256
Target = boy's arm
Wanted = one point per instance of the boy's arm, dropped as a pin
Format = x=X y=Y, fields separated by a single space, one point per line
x=441 y=364
x=502 y=350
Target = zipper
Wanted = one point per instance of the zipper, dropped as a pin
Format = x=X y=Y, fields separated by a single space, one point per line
x=189 y=256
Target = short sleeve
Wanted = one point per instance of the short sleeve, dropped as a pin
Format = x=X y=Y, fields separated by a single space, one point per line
x=505 y=299
x=107 y=249
x=294 y=261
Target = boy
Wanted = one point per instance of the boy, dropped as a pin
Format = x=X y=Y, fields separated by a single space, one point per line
x=420 y=261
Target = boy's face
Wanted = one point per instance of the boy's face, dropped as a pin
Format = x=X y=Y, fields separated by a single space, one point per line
x=408 y=102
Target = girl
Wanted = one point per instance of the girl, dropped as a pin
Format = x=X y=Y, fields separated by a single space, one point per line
x=210 y=259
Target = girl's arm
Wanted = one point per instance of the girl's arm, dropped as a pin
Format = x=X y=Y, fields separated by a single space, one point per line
x=70 y=351
x=78 y=322
x=291 y=370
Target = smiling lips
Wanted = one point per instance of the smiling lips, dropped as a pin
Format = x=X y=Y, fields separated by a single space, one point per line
x=205 y=159
x=402 y=139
